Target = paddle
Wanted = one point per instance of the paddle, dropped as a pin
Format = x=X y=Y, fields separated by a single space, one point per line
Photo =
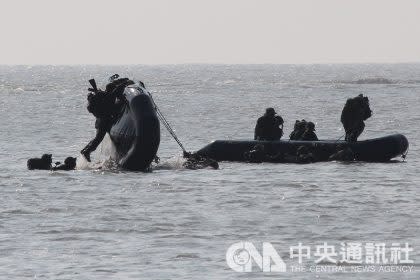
x=93 y=84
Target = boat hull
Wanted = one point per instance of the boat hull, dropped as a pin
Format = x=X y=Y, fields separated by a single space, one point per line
x=136 y=132
x=373 y=150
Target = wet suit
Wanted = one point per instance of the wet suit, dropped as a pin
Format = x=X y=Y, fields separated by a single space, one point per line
x=102 y=105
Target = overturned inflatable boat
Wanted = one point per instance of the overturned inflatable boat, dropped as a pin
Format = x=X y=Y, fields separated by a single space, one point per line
x=136 y=130
x=373 y=150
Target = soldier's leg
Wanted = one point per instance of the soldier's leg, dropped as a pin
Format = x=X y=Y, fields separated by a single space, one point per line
x=358 y=130
x=347 y=130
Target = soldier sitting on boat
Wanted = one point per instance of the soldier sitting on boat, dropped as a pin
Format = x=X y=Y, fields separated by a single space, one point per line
x=309 y=134
x=298 y=130
x=304 y=131
x=355 y=112
x=269 y=127
x=104 y=105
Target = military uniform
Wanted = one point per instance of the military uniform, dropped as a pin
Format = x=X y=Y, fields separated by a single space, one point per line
x=267 y=127
x=355 y=112
x=102 y=104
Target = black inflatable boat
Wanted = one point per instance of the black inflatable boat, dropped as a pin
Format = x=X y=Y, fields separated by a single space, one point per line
x=373 y=150
x=136 y=131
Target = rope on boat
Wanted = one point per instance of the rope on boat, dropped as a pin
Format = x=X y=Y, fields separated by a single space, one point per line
x=166 y=123
x=340 y=138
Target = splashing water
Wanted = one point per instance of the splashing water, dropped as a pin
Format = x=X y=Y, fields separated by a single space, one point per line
x=173 y=163
x=106 y=157
x=107 y=148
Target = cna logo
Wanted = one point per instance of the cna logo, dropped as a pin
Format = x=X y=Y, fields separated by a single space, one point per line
x=242 y=255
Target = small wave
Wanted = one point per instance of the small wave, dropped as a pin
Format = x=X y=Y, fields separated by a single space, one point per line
x=187 y=256
x=66 y=238
x=106 y=270
x=375 y=81
x=174 y=163
x=174 y=190
x=369 y=81
x=18 y=90
x=53 y=210
x=15 y=90
x=227 y=82
x=49 y=232
x=17 y=211
x=79 y=230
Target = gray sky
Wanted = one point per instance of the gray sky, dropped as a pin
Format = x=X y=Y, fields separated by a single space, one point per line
x=209 y=31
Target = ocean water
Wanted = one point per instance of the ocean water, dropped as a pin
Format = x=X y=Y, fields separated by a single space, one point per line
x=173 y=223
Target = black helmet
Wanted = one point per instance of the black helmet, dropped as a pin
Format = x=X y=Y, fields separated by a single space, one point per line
x=310 y=126
x=270 y=111
x=301 y=124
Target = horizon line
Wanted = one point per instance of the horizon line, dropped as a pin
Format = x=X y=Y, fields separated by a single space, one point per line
x=209 y=63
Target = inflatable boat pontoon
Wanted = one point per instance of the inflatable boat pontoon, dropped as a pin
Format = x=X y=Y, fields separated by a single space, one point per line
x=136 y=131
x=373 y=150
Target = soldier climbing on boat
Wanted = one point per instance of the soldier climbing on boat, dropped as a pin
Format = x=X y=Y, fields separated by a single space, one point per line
x=104 y=105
